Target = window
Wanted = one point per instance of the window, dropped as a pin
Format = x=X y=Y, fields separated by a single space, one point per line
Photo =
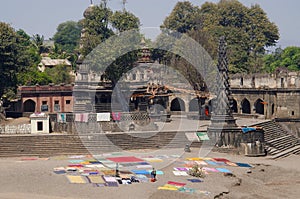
x=56 y=108
x=133 y=76
x=253 y=82
x=293 y=113
x=44 y=108
x=39 y=126
x=68 y=101
x=242 y=81
x=142 y=76
x=282 y=82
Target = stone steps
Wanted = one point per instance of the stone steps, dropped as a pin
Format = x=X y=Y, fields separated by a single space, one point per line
x=62 y=144
x=287 y=152
x=279 y=143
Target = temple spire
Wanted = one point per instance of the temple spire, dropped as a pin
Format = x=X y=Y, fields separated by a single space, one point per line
x=223 y=130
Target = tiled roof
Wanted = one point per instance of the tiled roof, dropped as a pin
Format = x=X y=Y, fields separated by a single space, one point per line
x=46 y=61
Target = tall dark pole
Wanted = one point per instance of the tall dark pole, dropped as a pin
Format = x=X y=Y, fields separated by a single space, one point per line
x=223 y=129
x=124 y=4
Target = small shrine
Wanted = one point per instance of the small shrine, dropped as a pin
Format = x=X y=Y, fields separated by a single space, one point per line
x=39 y=123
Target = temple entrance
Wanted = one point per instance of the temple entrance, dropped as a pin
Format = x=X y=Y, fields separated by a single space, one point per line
x=177 y=104
x=259 y=107
x=29 y=106
x=246 y=106
x=234 y=106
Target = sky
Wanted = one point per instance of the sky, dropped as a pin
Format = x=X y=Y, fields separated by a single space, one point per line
x=43 y=16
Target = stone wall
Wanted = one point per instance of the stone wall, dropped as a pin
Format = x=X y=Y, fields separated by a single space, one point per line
x=15 y=129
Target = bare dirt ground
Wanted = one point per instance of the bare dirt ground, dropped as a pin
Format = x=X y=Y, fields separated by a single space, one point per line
x=267 y=179
x=11 y=121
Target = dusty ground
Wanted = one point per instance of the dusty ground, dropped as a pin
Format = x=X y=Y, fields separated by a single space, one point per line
x=11 y=121
x=268 y=179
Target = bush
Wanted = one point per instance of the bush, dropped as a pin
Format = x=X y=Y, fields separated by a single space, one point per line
x=196 y=171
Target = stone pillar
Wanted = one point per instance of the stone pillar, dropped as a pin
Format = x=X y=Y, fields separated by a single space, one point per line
x=223 y=130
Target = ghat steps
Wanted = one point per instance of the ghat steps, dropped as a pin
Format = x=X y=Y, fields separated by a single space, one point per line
x=279 y=143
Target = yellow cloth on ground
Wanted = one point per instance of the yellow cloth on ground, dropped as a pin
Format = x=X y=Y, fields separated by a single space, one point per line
x=198 y=159
x=96 y=179
x=168 y=188
x=194 y=159
x=108 y=172
x=153 y=159
x=231 y=164
x=76 y=179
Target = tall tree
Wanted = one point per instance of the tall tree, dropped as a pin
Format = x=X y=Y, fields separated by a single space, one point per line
x=67 y=36
x=95 y=27
x=124 y=20
x=13 y=57
x=247 y=30
x=183 y=18
x=288 y=58
x=99 y=24
x=38 y=42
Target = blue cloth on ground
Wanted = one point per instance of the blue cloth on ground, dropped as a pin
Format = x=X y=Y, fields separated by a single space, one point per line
x=211 y=162
x=223 y=170
x=243 y=165
x=141 y=172
x=195 y=180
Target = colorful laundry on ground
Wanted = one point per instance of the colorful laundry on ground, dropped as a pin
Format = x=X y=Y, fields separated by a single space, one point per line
x=125 y=159
x=76 y=179
x=195 y=180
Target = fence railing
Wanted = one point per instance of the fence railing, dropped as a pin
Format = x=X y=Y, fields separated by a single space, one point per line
x=15 y=129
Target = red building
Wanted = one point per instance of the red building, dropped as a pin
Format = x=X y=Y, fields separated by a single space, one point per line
x=50 y=98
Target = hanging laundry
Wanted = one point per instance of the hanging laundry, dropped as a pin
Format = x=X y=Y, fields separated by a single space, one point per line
x=116 y=116
x=61 y=117
x=103 y=117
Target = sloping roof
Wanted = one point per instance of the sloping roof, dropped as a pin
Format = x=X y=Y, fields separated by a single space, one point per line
x=47 y=61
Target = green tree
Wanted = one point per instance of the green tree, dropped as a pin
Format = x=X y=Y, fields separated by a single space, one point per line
x=33 y=76
x=31 y=52
x=99 y=24
x=183 y=18
x=38 y=42
x=13 y=57
x=67 y=36
x=247 y=30
x=95 y=27
x=59 y=74
x=288 y=58
x=124 y=20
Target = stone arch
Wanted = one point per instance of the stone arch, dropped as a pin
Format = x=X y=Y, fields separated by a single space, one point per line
x=177 y=104
x=259 y=107
x=29 y=106
x=246 y=108
x=234 y=107
x=194 y=105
